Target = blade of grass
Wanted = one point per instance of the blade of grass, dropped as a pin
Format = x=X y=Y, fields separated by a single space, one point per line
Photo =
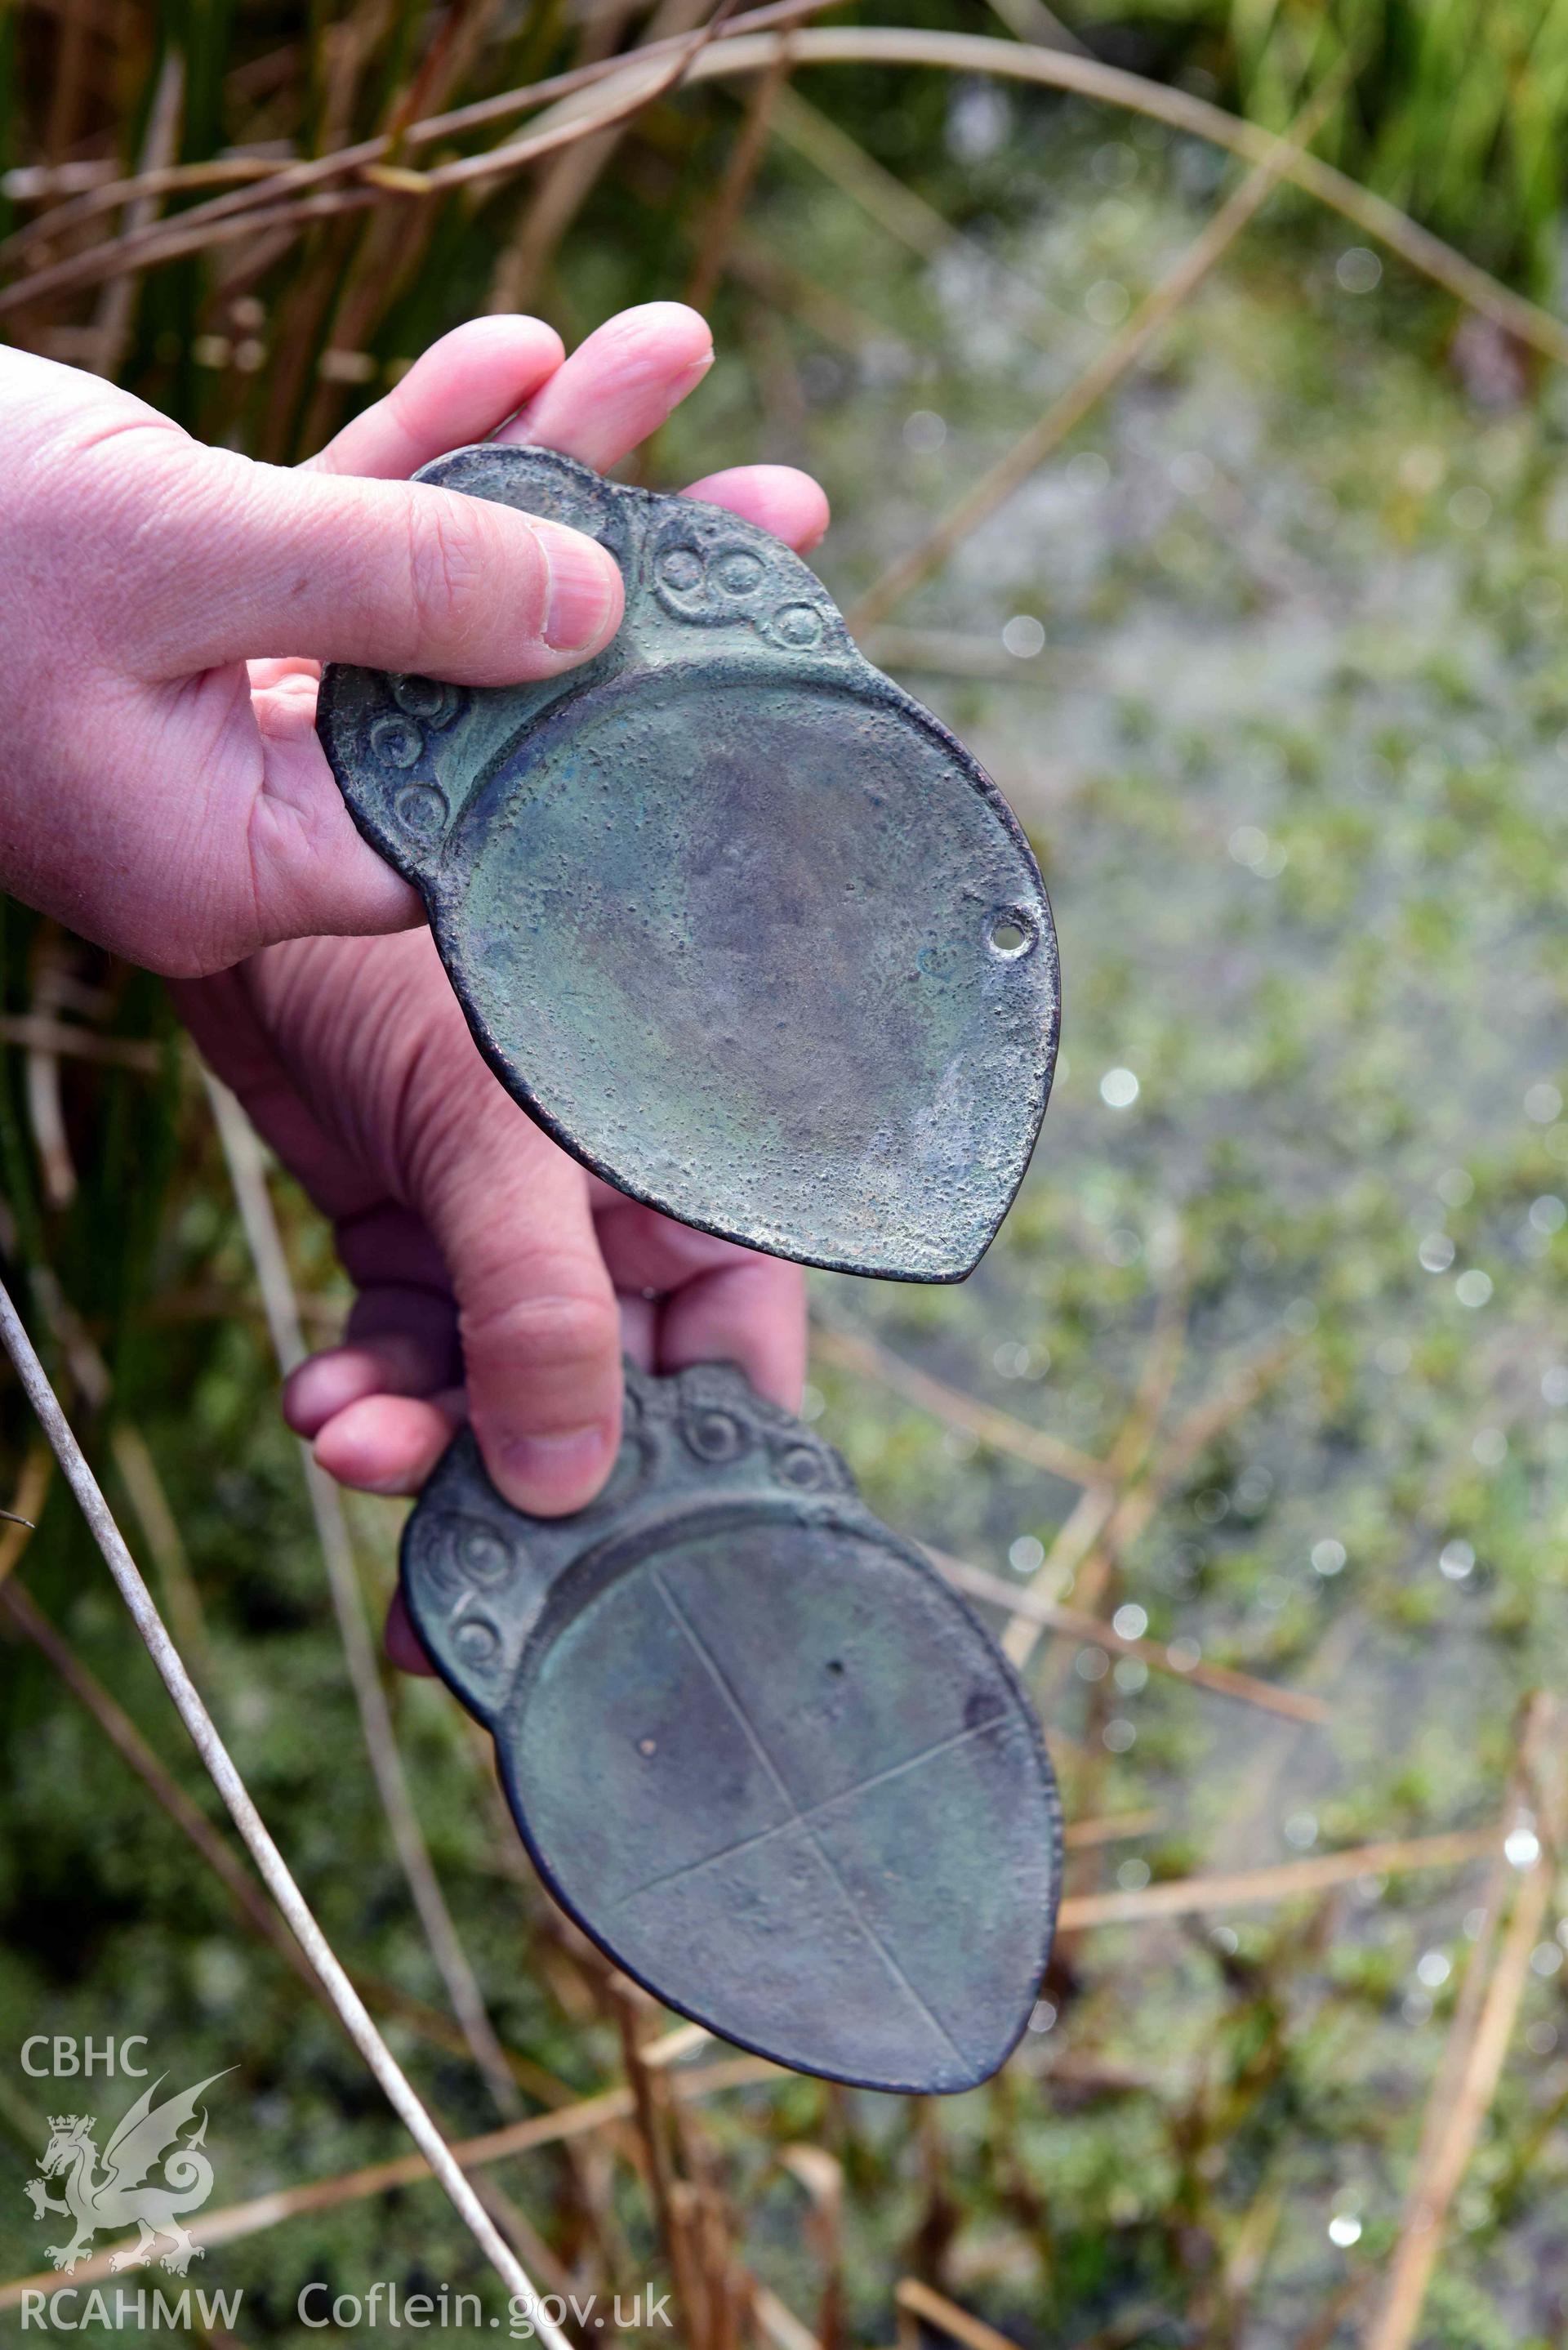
x=740 y=173
x=1080 y=1625
x=1462 y=2093
x=1184 y=1895
x=645 y=2084
x=1114 y=1826
x=72 y=22
x=933 y=2308
x=26 y=1506
x=111 y=319
x=109 y=194
x=643 y=88
x=787 y=288
x=1031 y=20
x=852 y=1350
x=781 y=2325
x=40 y=1033
x=1321 y=2332
x=1074 y=1545
x=821 y=2178
x=1161 y=1363
x=673 y=2047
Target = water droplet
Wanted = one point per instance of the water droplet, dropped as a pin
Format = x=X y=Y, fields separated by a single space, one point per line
x=1191 y=472
x=1470 y=508
x=1024 y=636
x=1106 y=303
x=1358 y=269
x=924 y=432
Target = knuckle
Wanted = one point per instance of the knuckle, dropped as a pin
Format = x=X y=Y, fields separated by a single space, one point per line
x=559 y=1331
x=467 y=569
x=446 y=566
x=454 y=1130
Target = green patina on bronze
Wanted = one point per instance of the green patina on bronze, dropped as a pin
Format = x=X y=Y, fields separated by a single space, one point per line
x=734 y=917
x=755 y=1745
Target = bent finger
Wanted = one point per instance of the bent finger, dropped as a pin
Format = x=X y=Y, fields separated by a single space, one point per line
x=389 y=1443
x=778 y=498
x=751 y=1311
x=406 y=1345
x=459 y=391
x=618 y=385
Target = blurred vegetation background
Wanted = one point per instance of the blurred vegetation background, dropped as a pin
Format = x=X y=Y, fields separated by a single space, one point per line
x=1258 y=1410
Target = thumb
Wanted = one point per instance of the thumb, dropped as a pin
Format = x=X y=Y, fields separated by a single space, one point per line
x=537 y=1315
x=396 y=575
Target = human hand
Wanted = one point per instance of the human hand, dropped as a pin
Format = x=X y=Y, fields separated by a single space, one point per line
x=482 y=1253
x=160 y=798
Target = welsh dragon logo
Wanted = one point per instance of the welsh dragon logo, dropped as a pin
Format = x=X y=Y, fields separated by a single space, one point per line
x=122 y=2194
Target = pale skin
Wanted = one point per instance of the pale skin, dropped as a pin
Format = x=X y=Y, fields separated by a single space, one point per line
x=165 y=795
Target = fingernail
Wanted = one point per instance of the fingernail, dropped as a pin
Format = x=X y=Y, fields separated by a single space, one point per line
x=565 y=1460
x=584 y=601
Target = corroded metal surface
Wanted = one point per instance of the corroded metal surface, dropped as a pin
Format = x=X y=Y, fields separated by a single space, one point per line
x=731 y=915
x=755 y=1744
